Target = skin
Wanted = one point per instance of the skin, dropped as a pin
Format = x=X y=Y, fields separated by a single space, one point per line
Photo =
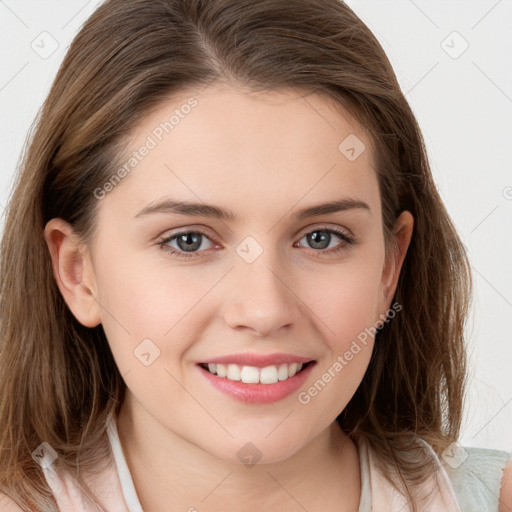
x=263 y=156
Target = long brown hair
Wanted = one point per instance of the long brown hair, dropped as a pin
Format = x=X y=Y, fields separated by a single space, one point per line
x=58 y=379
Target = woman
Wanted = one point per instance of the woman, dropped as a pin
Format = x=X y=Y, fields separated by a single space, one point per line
x=247 y=291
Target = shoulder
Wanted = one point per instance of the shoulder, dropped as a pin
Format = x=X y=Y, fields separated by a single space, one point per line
x=479 y=476
x=8 y=505
x=506 y=489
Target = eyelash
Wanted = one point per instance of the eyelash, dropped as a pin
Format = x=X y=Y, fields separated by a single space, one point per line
x=347 y=242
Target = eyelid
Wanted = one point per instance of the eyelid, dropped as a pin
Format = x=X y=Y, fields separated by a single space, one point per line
x=347 y=239
x=205 y=231
x=326 y=226
x=194 y=228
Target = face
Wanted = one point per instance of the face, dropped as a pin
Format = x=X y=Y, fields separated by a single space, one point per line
x=268 y=284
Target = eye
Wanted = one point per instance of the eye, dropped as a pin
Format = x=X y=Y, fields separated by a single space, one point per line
x=321 y=239
x=186 y=242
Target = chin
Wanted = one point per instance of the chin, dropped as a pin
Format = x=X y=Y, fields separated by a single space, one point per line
x=258 y=451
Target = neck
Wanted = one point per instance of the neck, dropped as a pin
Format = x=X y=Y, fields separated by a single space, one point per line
x=166 y=468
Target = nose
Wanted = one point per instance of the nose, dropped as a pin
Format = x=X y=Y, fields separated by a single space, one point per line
x=259 y=297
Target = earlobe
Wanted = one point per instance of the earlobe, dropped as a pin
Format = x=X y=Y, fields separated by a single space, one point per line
x=73 y=272
x=402 y=233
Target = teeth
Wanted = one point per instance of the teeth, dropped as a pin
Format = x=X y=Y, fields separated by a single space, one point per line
x=222 y=371
x=254 y=375
x=250 y=375
x=282 y=373
x=268 y=375
x=233 y=372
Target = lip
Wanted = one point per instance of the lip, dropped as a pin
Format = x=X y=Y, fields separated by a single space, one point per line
x=258 y=360
x=258 y=393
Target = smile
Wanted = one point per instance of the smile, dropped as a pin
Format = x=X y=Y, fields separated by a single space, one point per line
x=255 y=385
x=252 y=374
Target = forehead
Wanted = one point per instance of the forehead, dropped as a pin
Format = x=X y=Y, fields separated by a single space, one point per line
x=225 y=144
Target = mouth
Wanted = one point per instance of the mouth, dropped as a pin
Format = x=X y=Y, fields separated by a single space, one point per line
x=263 y=384
x=267 y=375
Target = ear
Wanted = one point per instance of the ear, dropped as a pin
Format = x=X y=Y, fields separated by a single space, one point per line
x=402 y=234
x=73 y=271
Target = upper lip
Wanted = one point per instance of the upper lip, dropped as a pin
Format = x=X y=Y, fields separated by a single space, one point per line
x=259 y=360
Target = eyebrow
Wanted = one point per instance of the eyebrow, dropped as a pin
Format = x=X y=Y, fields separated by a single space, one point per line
x=208 y=210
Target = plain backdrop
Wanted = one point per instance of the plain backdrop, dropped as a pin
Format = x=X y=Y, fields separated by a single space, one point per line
x=452 y=59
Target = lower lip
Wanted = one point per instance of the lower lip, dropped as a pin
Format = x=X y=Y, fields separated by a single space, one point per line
x=258 y=393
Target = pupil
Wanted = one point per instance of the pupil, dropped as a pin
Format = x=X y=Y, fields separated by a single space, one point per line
x=191 y=239
x=318 y=242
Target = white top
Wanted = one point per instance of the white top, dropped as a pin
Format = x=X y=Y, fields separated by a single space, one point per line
x=471 y=485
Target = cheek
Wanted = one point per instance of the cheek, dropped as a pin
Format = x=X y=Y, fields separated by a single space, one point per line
x=355 y=309
x=155 y=302
x=349 y=341
x=344 y=297
x=346 y=304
